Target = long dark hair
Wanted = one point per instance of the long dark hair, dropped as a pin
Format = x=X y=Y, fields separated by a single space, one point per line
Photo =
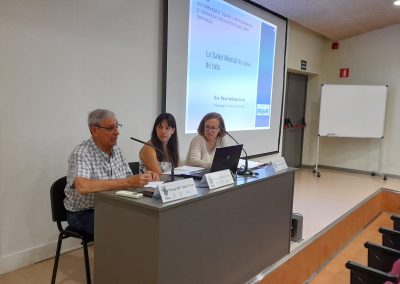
x=208 y=116
x=172 y=146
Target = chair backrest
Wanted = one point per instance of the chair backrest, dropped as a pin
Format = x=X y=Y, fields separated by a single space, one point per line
x=381 y=257
x=390 y=238
x=134 y=167
x=57 y=195
x=361 y=274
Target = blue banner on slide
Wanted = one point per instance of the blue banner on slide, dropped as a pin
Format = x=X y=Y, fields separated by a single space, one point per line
x=265 y=73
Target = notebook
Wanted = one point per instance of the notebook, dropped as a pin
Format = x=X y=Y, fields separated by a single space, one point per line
x=224 y=158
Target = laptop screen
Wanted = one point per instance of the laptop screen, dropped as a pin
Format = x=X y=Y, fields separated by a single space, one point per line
x=226 y=158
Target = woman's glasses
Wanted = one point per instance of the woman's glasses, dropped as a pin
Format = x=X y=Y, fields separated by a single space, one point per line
x=211 y=128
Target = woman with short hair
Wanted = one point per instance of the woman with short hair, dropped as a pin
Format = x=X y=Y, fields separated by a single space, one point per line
x=211 y=132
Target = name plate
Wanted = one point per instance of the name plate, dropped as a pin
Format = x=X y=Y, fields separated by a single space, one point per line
x=279 y=164
x=175 y=190
x=219 y=179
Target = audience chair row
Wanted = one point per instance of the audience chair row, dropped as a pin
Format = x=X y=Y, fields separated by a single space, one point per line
x=383 y=260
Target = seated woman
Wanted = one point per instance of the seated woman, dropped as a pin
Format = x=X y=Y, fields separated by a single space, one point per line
x=164 y=138
x=202 y=148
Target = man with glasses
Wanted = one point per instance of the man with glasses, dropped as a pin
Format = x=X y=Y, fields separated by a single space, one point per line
x=97 y=165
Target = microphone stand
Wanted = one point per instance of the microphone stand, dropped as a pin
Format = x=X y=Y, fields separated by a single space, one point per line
x=158 y=150
x=245 y=171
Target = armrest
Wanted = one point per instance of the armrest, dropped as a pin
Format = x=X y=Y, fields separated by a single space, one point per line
x=381 y=257
x=361 y=274
x=390 y=238
x=396 y=222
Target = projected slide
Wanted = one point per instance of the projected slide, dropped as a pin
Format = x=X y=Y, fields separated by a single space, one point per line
x=230 y=66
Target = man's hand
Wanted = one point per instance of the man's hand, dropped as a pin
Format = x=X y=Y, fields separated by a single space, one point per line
x=139 y=180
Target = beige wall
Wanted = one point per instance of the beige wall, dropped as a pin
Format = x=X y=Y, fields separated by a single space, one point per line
x=304 y=44
x=373 y=58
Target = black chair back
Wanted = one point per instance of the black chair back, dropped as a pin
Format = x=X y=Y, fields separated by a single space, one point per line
x=361 y=274
x=57 y=195
x=381 y=257
x=396 y=222
x=390 y=238
x=59 y=214
x=134 y=167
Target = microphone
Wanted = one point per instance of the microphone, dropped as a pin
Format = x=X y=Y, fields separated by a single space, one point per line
x=158 y=150
x=245 y=171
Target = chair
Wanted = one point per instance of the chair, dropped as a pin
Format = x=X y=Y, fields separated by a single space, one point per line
x=59 y=214
x=396 y=222
x=390 y=238
x=381 y=257
x=361 y=274
x=383 y=266
x=134 y=167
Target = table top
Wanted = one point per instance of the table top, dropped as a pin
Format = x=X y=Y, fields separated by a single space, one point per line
x=155 y=203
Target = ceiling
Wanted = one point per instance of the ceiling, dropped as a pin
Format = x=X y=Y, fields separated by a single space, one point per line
x=337 y=19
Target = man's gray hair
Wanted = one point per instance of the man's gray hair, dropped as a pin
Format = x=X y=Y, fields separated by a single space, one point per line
x=96 y=117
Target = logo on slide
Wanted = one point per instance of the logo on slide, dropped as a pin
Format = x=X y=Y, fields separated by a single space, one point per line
x=263 y=110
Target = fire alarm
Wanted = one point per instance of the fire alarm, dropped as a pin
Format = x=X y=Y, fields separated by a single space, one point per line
x=335 y=45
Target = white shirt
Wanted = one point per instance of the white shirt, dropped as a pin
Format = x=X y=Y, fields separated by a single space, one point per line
x=198 y=154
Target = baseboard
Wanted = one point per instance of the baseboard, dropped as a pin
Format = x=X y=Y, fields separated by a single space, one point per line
x=351 y=170
x=33 y=255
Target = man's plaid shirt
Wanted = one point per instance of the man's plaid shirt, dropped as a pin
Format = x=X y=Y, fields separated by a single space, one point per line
x=88 y=161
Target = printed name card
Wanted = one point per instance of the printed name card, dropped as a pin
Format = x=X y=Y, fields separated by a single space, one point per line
x=219 y=179
x=175 y=190
x=279 y=164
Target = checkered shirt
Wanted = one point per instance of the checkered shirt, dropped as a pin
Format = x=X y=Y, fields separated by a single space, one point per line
x=88 y=161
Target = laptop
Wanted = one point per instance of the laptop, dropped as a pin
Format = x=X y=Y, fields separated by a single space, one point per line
x=225 y=158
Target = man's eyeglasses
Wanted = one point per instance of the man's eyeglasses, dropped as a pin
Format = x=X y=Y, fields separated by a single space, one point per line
x=110 y=129
x=211 y=128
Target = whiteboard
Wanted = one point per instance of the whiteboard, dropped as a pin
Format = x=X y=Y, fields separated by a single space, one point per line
x=352 y=111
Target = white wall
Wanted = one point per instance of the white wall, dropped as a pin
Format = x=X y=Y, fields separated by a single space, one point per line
x=373 y=58
x=59 y=60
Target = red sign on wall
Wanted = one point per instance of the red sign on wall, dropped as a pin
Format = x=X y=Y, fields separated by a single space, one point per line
x=344 y=72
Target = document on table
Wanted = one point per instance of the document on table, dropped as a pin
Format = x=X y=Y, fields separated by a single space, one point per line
x=251 y=164
x=154 y=184
x=184 y=170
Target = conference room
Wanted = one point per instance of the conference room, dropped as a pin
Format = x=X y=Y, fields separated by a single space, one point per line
x=62 y=59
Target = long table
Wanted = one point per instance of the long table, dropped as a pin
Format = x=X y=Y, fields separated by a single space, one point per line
x=227 y=235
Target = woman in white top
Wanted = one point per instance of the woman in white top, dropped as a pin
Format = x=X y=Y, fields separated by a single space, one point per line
x=164 y=138
x=202 y=148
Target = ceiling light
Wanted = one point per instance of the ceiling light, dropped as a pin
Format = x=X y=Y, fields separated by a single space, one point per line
x=397 y=2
